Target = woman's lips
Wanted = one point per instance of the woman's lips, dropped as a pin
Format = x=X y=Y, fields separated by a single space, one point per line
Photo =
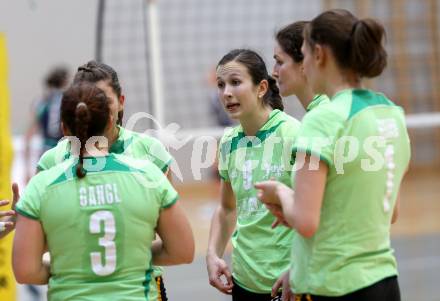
x=232 y=106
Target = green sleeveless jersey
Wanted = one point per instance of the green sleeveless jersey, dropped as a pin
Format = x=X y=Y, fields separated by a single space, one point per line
x=362 y=137
x=260 y=254
x=99 y=229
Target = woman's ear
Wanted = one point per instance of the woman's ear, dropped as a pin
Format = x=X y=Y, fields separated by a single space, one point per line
x=121 y=101
x=262 y=88
x=301 y=69
x=320 y=54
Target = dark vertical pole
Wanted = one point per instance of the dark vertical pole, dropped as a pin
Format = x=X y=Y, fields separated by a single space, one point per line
x=99 y=30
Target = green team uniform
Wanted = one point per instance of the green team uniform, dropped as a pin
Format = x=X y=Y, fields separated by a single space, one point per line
x=362 y=137
x=260 y=254
x=318 y=100
x=128 y=143
x=99 y=229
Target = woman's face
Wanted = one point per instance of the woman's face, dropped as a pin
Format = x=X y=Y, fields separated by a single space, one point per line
x=313 y=72
x=309 y=65
x=116 y=105
x=237 y=91
x=287 y=72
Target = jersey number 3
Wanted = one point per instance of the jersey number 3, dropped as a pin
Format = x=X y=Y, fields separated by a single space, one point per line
x=108 y=266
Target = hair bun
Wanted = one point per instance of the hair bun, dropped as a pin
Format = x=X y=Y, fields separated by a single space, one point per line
x=84 y=68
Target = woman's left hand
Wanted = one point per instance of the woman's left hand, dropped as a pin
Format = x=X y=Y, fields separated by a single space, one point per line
x=267 y=192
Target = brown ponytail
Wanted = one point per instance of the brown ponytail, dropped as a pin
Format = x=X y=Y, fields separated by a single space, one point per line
x=368 y=56
x=272 y=96
x=85 y=113
x=356 y=44
x=82 y=119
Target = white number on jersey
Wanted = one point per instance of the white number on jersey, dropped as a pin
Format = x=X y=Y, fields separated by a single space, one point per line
x=389 y=130
x=107 y=267
x=247 y=175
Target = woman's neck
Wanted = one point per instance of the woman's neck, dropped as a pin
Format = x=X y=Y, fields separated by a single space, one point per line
x=254 y=123
x=305 y=96
x=112 y=135
x=342 y=81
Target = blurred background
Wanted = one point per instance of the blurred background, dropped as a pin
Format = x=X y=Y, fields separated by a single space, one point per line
x=165 y=52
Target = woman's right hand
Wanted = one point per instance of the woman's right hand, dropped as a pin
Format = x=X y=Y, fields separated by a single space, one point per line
x=7 y=218
x=5 y=223
x=219 y=274
x=284 y=284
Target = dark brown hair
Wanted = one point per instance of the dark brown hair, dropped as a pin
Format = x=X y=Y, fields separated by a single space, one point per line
x=85 y=112
x=290 y=38
x=57 y=78
x=258 y=72
x=94 y=72
x=355 y=43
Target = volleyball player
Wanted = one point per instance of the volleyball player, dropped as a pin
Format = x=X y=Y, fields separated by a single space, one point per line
x=356 y=151
x=252 y=151
x=122 y=141
x=288 y=69
x=98 y=215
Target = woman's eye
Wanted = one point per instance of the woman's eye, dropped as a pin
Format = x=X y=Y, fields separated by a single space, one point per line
x=220 y=85
x=235 y=82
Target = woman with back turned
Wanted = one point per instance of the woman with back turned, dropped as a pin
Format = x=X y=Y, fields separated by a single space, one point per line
x=97 y=214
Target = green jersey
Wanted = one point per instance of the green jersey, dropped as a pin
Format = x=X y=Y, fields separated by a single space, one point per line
x=260 y=253
x=318 y=100
x=362 y=137
x=128 y=143
x=99 y=229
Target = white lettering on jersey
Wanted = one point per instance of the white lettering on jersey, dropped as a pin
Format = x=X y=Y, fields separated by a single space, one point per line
x=99 y=195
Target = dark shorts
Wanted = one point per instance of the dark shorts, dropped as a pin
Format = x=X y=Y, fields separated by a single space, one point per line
x=161 y=291
x=241 y=294
x=384 y=290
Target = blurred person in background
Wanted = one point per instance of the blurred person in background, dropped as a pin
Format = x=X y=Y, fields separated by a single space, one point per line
x=45 y=118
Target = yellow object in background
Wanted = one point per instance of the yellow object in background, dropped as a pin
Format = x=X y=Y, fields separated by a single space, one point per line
x=7 y=280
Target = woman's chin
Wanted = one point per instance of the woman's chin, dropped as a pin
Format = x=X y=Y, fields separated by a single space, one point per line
x=235 y=116
x=234 y=113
